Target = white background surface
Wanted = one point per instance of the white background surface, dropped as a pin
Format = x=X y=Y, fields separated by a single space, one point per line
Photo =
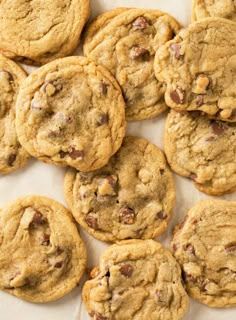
x=42 y=179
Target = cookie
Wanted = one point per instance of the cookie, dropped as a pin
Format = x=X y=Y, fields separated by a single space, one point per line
x=198 y=66
x=41 y=31
x=205 y=246
x=12 y=155
x=71 y=112
x=203 y=150
x=42 y=256
x=131 y=197
x=136 y=279
x=125 y=41
x=214 y=8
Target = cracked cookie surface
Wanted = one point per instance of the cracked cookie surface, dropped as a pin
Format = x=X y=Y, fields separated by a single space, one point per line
x=12 y=155
x=42 y=256
x=125 y=41
x=214 y=8
x=41 y=31
x=198 y=66
x=203 y=150
x=71 y=112
x=205 y=246
x=131 y=197
x=136 y=280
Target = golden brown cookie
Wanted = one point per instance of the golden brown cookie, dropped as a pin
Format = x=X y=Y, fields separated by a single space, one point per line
x=12 y=155
x=71 y=112
x=205 y=246
x=136 y=279
x=42 y=256
x=131 y=197
x=124 y=41
x=41 y=31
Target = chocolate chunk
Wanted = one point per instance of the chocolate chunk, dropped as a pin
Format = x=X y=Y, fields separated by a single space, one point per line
x=200 y=100
x=178 y=96
x=92 y=221
x=231 y=248
x=46 y=239
x=62 y=154
x=217 y=128
x=38 y=219
x=176 y=48
x=161 y=215
x=102 y=119
x=58 y=264
x=162 y=171
x=193 y=176
x=139 y=52
x=126 y=270
x=189 y=248
x=11 y=159
x=126 y=215
x=103 y=88
x=140 y=23
x=76 y=154
x=59 y=251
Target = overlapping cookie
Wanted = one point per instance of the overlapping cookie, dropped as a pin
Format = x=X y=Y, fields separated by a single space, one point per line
x=42 y=256
x=124 y=41
x=214 y=8
x=205 y=246
x=71 y=112
x=12 y=155
x=198 y=67
x=131 y=197
x=136 y=280
x=203 y=150
x=36 y=32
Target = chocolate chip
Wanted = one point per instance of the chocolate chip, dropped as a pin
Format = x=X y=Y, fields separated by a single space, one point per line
x=46 y=239
x=62 y=154
x=140 y=23
x=103 y=88
x=193 y=176
x=161 y=215
x=231 y=248
x=176 y=48
x=92 y=221
x=200 y=100
x=59 y=251
x=38 y=219
x=108 y=274
x=126 y=215
x=139 y=52
x=217 y=128
x=11 y=159
x=162 y=171
x=178 y=96
x=126 y=270
x=58 y=264
x=102 y=119
x=189 y=248
x=195 y=113
x=76 y=154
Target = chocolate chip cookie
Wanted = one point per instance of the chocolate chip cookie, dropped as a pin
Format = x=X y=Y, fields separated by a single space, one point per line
x=131 y=197
x=203 y=150
x=125 y=41
x=214 y=8
x=205 y=246
x=41 y=31
x=198 y=66
x=136 y=279
x=12 y=155
x=71 y=112
x=42 y=256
